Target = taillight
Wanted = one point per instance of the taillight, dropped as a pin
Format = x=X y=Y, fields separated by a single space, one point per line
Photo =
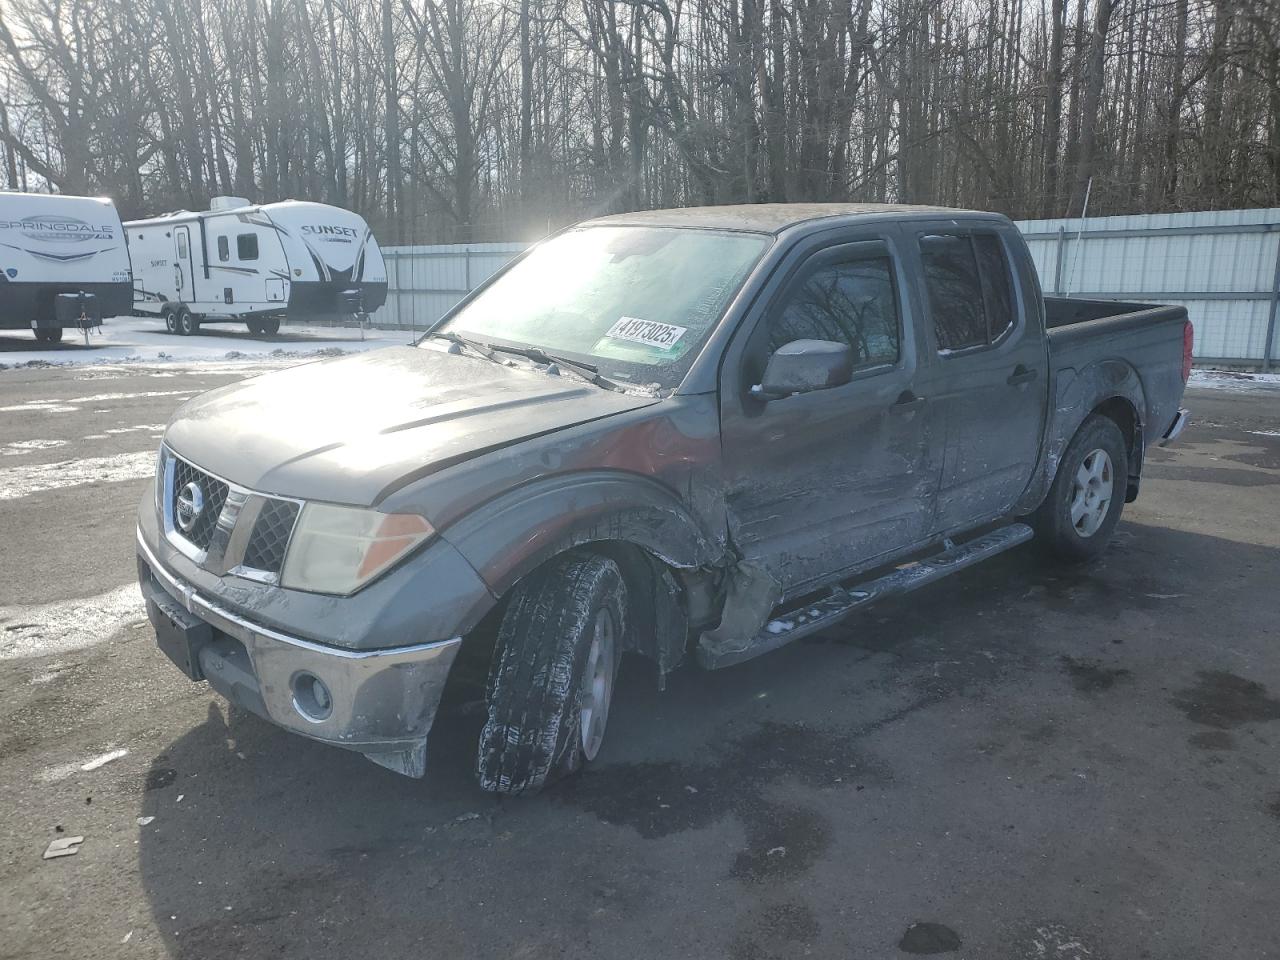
x=1188 y=338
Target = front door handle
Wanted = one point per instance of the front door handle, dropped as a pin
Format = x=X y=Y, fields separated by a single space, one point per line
x=1021 y=374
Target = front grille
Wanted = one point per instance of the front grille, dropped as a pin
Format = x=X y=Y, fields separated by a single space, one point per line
x=214 y=492
x=270 y=536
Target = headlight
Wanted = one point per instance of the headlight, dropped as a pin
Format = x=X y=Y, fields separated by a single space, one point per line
x=340 y=549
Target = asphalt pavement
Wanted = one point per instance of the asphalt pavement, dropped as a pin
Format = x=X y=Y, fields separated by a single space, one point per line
x=1024 y=761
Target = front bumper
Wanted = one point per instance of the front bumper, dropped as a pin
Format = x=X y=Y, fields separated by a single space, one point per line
x=380 y=702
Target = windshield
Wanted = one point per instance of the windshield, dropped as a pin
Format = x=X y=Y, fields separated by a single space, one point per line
x=636 y=302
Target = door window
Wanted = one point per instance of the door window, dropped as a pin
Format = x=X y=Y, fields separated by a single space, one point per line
x=182 y=244
x=247 y=246
x=970 y=292
x=224 y=249
x=851 y=302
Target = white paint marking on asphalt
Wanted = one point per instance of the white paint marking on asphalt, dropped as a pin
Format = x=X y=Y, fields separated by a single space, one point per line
x=104 y=759
x=18 y=447
x=48 y=628
x=32 y=478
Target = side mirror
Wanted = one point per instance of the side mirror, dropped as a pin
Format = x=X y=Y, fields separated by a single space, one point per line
x=803 y=366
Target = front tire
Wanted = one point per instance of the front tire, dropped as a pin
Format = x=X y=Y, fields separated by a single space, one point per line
x=171 y=321
x=1080 y=513
x=553 y=672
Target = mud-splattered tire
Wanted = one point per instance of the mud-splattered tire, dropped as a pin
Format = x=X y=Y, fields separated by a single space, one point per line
x=552 y=674
x=1078 y=517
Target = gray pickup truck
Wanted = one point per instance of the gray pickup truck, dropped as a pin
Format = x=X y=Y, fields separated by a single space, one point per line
x=700 y=432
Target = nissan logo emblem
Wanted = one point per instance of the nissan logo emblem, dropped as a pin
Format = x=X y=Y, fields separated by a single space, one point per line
x=190 y=506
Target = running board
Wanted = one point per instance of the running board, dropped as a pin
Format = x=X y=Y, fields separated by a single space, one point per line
x=791 y=624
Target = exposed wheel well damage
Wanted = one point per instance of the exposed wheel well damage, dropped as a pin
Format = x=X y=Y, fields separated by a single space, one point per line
x=1124 y=415
x=658 y=611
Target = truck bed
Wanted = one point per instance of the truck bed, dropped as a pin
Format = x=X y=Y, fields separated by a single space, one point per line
x=1144 y=337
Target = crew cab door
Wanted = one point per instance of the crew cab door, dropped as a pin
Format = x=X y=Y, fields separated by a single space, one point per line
x=987 y=368
x=819 y=482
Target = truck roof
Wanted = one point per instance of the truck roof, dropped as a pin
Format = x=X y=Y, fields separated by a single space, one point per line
x=773 y=217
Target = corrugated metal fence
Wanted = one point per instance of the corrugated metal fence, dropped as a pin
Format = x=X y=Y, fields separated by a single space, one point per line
x=1224 y=266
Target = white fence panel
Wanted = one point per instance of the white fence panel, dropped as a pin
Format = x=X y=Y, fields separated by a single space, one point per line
x=424 y=282
x=1222 y=265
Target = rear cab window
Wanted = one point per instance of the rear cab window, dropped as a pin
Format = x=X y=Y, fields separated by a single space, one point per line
x=968 y=287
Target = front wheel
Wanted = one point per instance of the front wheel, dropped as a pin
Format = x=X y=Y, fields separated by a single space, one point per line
x=553 y=673
x=187 y=322
x=171 y=321
x=1083 y=506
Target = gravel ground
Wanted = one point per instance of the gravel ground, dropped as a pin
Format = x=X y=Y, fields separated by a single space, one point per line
x=1024 y=761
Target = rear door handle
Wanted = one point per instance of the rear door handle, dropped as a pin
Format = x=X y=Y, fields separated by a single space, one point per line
x=1021 y=374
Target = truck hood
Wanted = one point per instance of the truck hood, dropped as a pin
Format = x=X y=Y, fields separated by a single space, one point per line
x=352 y=430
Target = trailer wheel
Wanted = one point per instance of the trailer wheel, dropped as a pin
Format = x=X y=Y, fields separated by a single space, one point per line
x=255 y=326
x=49 y=334
x=1080 y=513
x=270 y=326
x=187 y=322
x=171 y=320
x=552 y=677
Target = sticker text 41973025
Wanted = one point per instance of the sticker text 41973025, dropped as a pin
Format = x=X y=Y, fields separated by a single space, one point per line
x=651 y=333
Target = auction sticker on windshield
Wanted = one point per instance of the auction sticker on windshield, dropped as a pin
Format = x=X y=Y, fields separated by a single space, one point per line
x=664 y=336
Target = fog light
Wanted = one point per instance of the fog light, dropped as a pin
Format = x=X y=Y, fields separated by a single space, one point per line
x=311 y=698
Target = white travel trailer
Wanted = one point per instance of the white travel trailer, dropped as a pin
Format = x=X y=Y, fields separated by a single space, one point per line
x=63 y=263
x=254 y=264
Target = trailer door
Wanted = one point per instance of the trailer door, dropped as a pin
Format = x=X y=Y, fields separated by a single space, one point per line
x=185 y=276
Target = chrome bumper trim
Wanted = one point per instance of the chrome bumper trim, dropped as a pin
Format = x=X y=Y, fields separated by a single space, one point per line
x=1179 y=424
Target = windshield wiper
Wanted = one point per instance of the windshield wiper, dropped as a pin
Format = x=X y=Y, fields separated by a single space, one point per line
x=587 y=371
x=484 y=349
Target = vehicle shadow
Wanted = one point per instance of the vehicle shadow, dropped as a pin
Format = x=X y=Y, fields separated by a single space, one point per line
x=265 y=844
x=27 y=343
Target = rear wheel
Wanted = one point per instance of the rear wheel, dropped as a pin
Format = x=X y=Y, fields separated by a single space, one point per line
x=49 y=334
x=1079 y=515
x=551 y=683
x=187 y=322
x=270 y=326
x=254 y=326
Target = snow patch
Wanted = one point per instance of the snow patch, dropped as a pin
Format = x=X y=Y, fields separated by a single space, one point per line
x=18 y=447
x=43 y=629
x=1237 y=382
x=1265 y=433
x=34 y=478
x=133 y=340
